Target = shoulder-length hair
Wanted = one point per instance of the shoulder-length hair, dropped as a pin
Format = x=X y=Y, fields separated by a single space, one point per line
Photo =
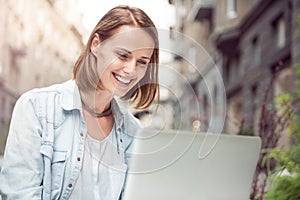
x=85 y=70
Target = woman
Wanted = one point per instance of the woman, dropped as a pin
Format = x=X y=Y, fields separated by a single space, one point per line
x=72 y=140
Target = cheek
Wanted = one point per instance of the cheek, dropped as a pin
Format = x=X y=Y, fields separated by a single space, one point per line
x=107 y=67
x=142 y=73
x=105 y=61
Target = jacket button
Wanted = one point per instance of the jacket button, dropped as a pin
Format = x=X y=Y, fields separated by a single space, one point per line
x=70 y=185
x=78 y=158
x=81 y=134
x=121 y=140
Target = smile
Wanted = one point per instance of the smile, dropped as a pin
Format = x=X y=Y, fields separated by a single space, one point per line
x=122 y=79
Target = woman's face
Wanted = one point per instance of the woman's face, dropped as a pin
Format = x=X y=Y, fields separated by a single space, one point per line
x=122 y=60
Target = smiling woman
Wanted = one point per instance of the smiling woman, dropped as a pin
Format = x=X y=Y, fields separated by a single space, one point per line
x=73 y=140
x=122 y=60
x=121 y=27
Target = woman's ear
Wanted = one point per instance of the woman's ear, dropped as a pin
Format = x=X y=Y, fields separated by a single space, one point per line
x=95 y=44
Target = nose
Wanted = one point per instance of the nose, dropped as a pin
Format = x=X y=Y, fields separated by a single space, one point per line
x=130 y=67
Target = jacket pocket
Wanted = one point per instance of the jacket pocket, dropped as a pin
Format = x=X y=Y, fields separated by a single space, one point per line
x=57 y=172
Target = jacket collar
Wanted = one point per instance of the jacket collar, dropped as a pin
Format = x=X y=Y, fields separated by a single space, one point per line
x=71 y=100
x=70 y=96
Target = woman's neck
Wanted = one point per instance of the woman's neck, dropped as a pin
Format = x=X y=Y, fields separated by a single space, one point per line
x=98 y=101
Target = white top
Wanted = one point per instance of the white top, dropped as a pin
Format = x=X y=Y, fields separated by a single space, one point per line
x=96 y=175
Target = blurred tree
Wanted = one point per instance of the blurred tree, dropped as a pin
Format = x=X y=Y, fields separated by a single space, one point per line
x=271 y=124
x=280 y=165
x=287 y=159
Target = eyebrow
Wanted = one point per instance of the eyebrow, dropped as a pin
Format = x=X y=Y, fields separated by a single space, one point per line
x=129 y=52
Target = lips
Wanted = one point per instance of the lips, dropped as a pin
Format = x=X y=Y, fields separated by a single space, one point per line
x=122 y=80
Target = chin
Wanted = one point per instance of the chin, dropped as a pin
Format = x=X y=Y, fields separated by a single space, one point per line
x=120 y=94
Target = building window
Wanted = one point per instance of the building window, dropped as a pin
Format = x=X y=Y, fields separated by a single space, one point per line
x=228 y=72
x=279 y=29
x=254 y=96
x=241 y=63
x=233 y=70
x=235 y=62
x=231 y=9
x=256 y=51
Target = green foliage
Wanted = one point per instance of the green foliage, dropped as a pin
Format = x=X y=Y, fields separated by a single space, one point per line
x=285 y=188
x=287 y=159
x=295 y=125
x=283 y=99
x=288 y=187
x=246 y=132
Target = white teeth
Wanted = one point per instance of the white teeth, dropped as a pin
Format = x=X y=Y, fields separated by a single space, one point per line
x=123 y=80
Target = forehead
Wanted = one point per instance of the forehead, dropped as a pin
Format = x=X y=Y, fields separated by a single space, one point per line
x=131 y=38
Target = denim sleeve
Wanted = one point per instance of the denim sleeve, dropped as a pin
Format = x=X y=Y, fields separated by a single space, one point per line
x=22 y=170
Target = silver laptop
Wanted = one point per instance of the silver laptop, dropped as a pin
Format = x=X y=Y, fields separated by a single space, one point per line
x=187 y=166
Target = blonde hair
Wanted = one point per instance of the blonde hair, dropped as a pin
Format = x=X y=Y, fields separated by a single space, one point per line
x=85 y=68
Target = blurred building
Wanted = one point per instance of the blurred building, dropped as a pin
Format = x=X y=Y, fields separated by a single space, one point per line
x=246 y=41
x=38 y=47
x=200 y=61
x=264 y=42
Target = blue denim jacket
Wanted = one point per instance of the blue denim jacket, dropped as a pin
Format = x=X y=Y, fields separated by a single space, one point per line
x=43 y=155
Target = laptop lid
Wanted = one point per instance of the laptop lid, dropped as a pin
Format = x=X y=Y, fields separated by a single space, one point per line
x=188 y=165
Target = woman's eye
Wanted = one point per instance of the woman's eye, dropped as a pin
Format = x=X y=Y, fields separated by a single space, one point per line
x=142 y=62
x=122 y=55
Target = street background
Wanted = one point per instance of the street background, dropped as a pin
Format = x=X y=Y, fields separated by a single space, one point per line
x=223 y=62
